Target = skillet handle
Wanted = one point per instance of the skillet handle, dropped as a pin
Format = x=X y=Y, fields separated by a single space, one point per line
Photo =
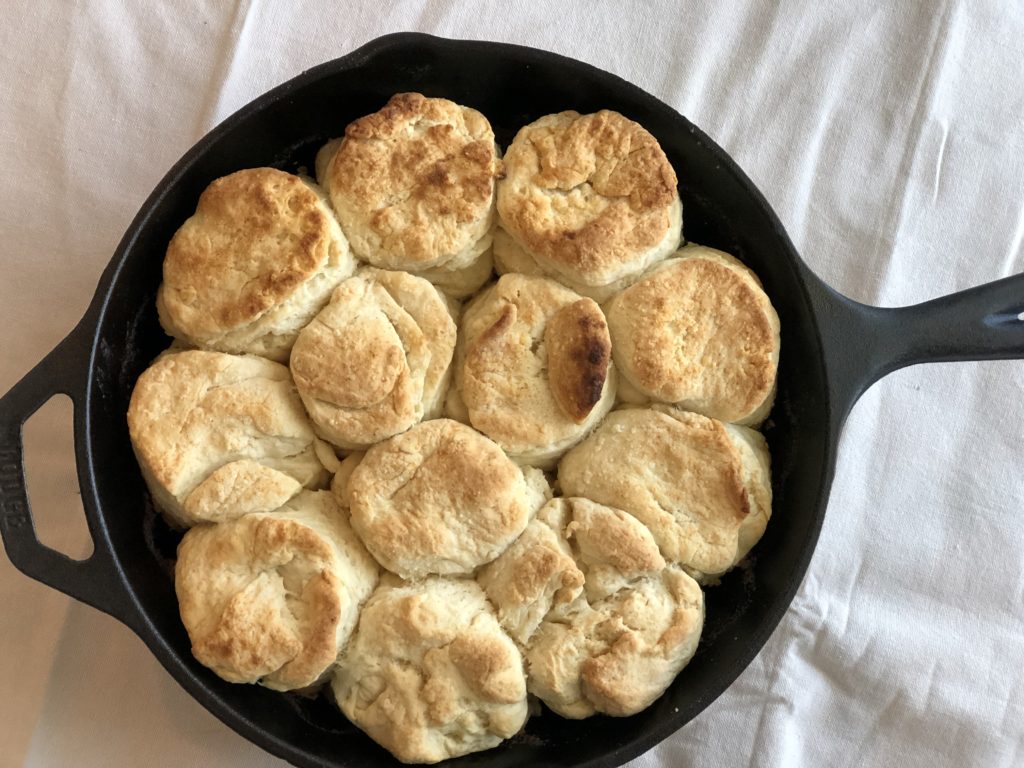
x=864 y=343
x=97 y=580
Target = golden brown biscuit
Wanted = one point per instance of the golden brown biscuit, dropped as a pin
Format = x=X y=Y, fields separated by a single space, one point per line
x=532 y=368
x=440 y=499
x=256 y=261
x=589 y=198
x=376 y=359
x=702 y=487
x=413 y=187
x=699 y=332
x=272 y=598
x=218 y=436
x=622 y=643
x=429 y=674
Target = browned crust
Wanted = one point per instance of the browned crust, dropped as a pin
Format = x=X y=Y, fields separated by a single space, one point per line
x=250 y=639
x=627 y=185
x=678 y=473
x=579 y=350
x=256 y=236
x=413 y=179
x=698 y=331
x=439 y=495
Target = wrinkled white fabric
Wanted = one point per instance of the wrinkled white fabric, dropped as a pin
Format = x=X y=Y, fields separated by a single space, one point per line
x=889 y=137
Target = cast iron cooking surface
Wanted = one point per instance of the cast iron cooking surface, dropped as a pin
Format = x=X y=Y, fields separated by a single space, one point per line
x=511 y=86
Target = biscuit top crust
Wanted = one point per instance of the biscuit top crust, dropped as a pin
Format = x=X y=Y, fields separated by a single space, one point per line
x=439 y=498
x=413 y=184
x=589 y=196
x=228 y=429
x=256 y=236
x=699 y=331
x=374 y=355
x=430 y=674
x=536 y=363
x=272 y=597
x=677 y=472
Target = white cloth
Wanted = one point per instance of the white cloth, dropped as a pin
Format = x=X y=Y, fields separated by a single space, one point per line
x=889 y=137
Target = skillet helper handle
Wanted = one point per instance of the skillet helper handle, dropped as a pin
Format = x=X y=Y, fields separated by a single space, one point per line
x=94 y=581
x=864 y=343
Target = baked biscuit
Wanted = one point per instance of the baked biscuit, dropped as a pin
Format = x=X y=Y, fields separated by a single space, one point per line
x=699 y=332
x=272 y=598
x=534 y=576
x=532 y=368
x=591 y=199
x=618 y=647
x=440 y=499
x=429 y=674
x=218 y=436
x=702 y=487
x=509 y=256
x=256 y=261
x=376 y=359
x=413 y=187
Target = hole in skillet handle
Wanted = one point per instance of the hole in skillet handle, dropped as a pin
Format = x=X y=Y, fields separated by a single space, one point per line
x=52 y=481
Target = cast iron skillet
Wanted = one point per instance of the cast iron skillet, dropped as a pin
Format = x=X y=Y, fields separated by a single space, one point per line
x=832 y=350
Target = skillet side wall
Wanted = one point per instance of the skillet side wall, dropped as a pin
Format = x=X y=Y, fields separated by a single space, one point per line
x=511 y=86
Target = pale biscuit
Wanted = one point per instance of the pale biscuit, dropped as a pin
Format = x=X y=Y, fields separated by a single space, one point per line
x=440 y=499
x=339 y=483
x=534 y=576
x=272 y=598
x=702 y=487
x=256 y=261
x=622 y=643
x=589 y=198
x=376 y=359
x=532 y=368
x=429 y=674
x=509 y=256
x=413 y=186
x=218 y=436
x=464 y=282
x=700 y=332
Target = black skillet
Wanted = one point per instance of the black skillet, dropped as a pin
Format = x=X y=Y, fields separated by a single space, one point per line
x=832 y=350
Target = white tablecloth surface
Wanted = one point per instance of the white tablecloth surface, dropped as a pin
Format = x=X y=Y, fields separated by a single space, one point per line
x=889 y=137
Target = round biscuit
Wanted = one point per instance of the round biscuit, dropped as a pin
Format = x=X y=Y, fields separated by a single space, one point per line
x=699 y=332
x=440 y=499
x=218 y=436
x=376 y=359
x=430 y=674
x=532 y=368
x=590 y=198
x=271 y=598
x=702 y=487
x=413 y=184
x=256 y=261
